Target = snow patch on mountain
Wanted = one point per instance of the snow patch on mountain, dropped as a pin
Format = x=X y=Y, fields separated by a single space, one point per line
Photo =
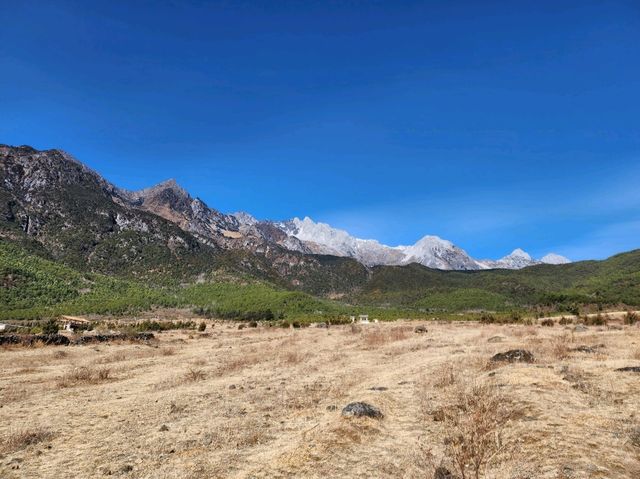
x=430 y=251
x=435 y=252
x=553 y=258
x=321 y=238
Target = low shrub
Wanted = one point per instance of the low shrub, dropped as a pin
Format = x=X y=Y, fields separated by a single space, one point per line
x=50 y=327
x=84 y=375
x=631 y=318
x=597 y=320
x=487 y=318
x=475 y=422
x=194 y=374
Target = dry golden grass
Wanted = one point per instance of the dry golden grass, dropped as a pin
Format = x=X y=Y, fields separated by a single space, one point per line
x=167 y=351
x=380 y=336
x=16 y=440
x=266 y=402
x=84 y=375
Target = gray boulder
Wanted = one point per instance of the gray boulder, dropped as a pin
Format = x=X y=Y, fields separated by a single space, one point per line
x=514 y=356
x=361 y=409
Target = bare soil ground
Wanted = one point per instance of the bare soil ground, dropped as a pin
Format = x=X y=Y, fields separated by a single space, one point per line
x=266 y=402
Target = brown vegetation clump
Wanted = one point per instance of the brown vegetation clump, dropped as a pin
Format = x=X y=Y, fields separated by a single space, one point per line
x=194 y=374
x=446 y=375
x=84 y=375
x=60 y=354
x=565 y=321
x=381 y=336
x=20 y=439
x=293 y=356
x=475 y=424
x=560 y=350
x=240 y=363
x=597 y=320
x=631 y=318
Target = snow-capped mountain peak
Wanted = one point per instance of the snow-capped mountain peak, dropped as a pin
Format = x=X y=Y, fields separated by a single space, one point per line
x=517 y=259
x=519 y=253
x=245 y=218
x=435 y=252
x=321 y=238
x=432 y=251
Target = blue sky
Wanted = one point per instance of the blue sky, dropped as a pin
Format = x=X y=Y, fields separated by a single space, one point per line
x=493 y=124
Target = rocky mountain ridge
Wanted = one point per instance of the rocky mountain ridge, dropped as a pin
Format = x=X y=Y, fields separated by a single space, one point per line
x=55 y=198
x=158 y=234
x=431 y=251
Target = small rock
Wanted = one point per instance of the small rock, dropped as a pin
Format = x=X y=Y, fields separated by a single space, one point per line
x=580 y=328
x=164 y=428
x=378 y=388
x=629 y=369
x=421 y=329
x=443 y=473
x=515 y=356
x=360 y=409
x=232 y=386
x=321 y=325
x=332 y=407
x=439 y=415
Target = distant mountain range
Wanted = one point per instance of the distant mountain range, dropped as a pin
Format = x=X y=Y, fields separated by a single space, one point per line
x=173 y=203
x=55 y=209
x=430 y=251
x=37 y=183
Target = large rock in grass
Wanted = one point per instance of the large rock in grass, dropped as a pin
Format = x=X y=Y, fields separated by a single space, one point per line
x=361 y=409
x=9 y=339
x=48 y=339
x=514 y=356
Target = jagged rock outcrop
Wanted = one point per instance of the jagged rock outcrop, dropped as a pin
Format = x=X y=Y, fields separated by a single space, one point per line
x=79 y=217
x=89 y=223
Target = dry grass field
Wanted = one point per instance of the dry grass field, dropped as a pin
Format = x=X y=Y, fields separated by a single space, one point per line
x=266 y=402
